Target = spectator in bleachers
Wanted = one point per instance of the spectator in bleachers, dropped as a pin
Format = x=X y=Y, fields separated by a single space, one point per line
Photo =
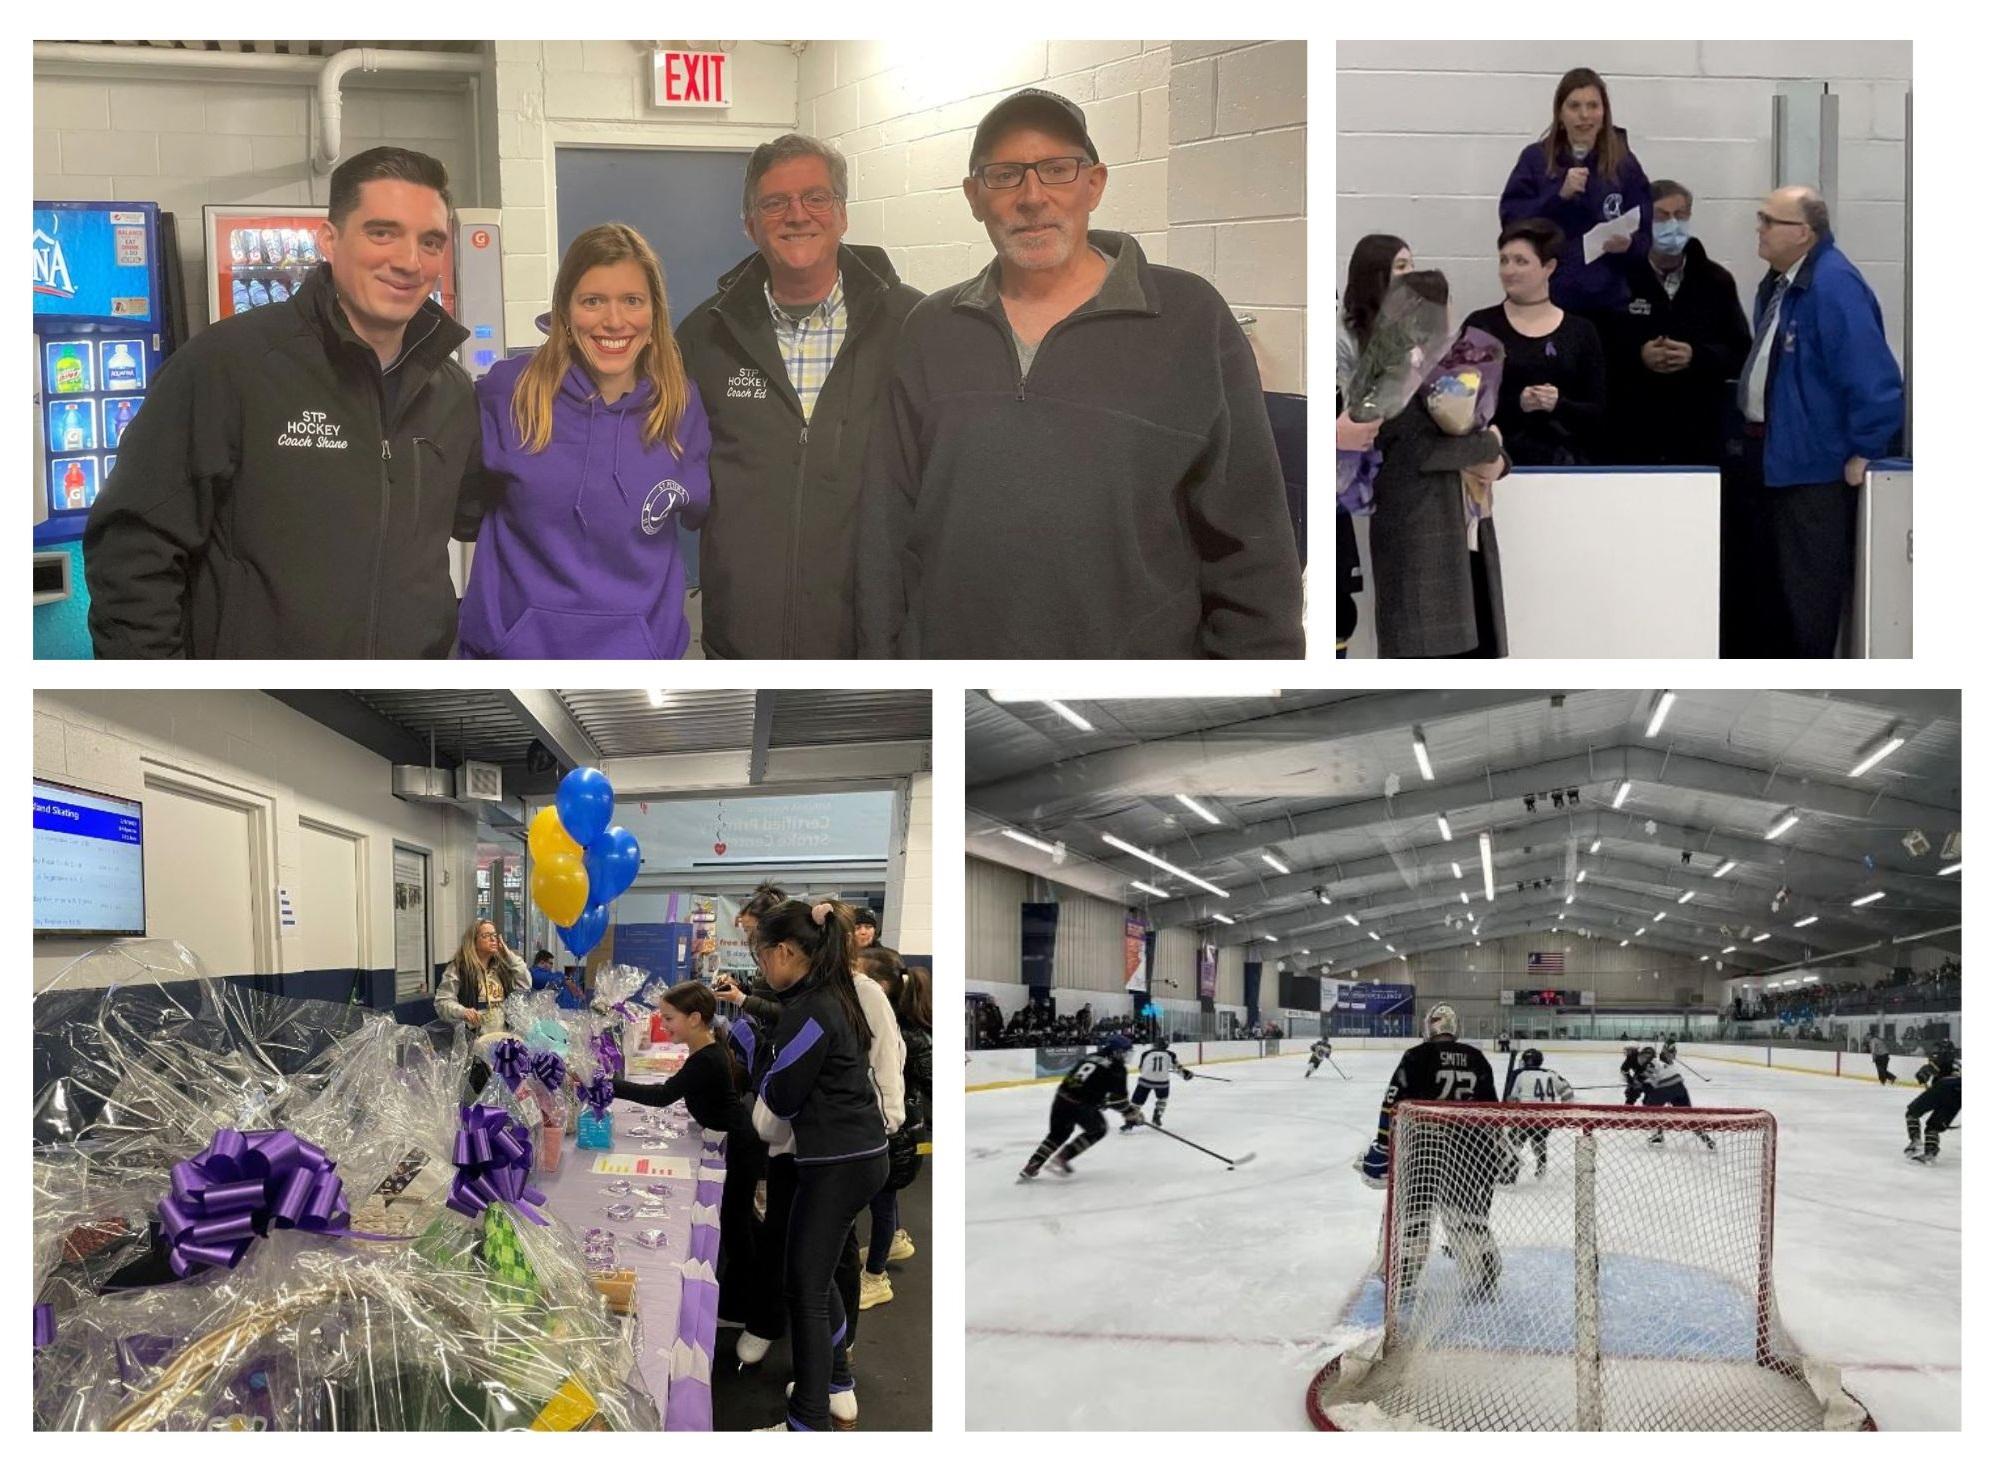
x=1551 y=399
x=1437 y=588
x=1580 y=174
x=1676 y=347
x=1820 y=395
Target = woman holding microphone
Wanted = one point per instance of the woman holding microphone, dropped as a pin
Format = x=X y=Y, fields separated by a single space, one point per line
x=1581 y=174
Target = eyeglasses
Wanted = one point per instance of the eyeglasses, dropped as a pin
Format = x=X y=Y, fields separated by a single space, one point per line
x=816 y=201
x=1767 y=223
x=1013 y=175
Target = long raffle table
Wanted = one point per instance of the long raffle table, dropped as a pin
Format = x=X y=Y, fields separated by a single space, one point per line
x=677 y=1291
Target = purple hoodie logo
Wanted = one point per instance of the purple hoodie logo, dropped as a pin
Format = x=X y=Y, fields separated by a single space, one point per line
x=664 y=499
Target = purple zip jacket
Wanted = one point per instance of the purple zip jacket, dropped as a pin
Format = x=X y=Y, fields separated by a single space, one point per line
x=579 y=555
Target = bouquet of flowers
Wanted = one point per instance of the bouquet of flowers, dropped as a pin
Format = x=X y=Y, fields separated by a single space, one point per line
x=1462 y=395
x=1409 y=335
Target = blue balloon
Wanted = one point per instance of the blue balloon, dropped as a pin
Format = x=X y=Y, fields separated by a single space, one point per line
x=611 y=862
x=583 y=803
x=583 y=936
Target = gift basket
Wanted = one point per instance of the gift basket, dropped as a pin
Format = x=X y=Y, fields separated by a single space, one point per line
x=260 y=1213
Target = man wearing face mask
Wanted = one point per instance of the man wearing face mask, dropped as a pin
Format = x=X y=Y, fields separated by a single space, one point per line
x=1675 y=346
x=1074 y=459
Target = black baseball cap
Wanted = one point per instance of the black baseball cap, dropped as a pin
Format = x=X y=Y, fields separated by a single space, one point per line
x=1033 y=105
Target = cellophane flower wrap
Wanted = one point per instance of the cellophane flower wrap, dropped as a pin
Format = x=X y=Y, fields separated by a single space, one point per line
x=1409 y=336
x=1462 y=396
x=384 y=1309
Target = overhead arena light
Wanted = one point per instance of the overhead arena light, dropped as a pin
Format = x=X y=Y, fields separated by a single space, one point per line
x=1658 y=916
x=1624 y=944
x=1784 y=824
x=1374 y=936
x=1024 y=840
x=1148 y=888
x=1687 y=897
x=1423 y=755
x=1725 y=869
x=1352 y=920
x=1457 y=872
x=1638 y=931
x=1729 y=950
x=1623 y=790
x=1444 y=826
x=1463 y=897
x=1068 y=714
x=1874 y=897
x=1272 y=938
x=1948 y=869
x=1221 y=918
x=1198 y=810
x=1582 y=876
x=1485 y=859
x=1659 y=707
x=1806 y=922
x=1758 y=938
x=1274 y=863
x=1877 y=755
x=1594 y=846
x=1165 y=867
x=1702 y=960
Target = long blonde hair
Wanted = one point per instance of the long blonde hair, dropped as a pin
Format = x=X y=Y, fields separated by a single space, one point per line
x=466 y=964
x=534 y=394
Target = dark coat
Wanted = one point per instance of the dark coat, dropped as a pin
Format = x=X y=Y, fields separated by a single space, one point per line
x=1423 y=593
x=1675 y=418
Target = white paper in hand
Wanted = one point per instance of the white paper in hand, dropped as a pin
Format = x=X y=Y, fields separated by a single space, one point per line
x=1625 y=224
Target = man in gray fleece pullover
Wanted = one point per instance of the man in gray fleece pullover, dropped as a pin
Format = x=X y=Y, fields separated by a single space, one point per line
x=1074 y=460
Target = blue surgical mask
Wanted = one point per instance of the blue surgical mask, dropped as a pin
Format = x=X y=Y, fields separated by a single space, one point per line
x=1670 y=236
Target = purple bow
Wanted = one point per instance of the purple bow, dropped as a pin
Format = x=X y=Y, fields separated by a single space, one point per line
x=45 y=1325
x=549 y=1070
x=609 y=1056
x=510 y=1060
x=628 y=1009
x=492 y=1154
x=240 y=1186
x=598 y=1094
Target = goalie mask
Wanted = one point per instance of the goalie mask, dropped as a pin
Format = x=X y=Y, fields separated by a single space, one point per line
x=1442 y=1021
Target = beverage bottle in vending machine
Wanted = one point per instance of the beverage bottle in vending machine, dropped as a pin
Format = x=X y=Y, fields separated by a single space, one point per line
x=280 y=292
x=72 y=487
x=69 y=371
x=253 y=253
x=274 y=250
x=121 y=369
x=121 y=419
x=308 y=248
x=260 y=294
x=292 y=238
x=239 y=296
x=72 y=430
x=238 y=251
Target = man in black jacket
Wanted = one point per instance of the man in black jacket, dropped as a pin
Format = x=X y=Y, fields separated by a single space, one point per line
x=289 y=488
x=1675 y=347
x=1074 y=459
x=790 y=354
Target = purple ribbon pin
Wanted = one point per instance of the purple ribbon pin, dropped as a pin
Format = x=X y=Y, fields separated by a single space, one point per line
x=239 y=1187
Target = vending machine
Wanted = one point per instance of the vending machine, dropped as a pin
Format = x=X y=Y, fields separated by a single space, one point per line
x=259 y=255
x=103 y=313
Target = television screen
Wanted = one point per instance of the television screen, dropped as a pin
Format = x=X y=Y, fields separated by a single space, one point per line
x=90 y=863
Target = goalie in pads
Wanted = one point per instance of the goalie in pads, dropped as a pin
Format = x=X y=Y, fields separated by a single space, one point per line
x=1460 y=1182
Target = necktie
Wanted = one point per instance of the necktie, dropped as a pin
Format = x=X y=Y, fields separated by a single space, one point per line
x=1763 y=330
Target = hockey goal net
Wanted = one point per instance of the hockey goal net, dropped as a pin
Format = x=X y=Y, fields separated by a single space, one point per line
x=1577 y=1267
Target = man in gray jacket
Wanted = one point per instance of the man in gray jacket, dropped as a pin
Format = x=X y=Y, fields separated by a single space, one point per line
x=1074 y=459
x=790 y=355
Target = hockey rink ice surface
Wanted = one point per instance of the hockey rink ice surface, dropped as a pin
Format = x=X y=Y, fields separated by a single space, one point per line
x=1156 y=1289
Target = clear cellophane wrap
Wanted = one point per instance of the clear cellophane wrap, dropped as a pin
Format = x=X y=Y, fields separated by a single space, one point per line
x=457 y=1322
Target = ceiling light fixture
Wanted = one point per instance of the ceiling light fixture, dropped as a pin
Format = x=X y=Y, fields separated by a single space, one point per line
x=1874 y=897
x=1444 y=826
x=1877 y=755
x=1165 y=867
x=1148 y=888
x=1623 y=790
x=1198 y=810
x=1806 y=922
x=1423 y=756
x=1687 y=897
x=1659 y=707
x=1784 y=824
x=1725 y=869
x=1026 y=841
x=1485 y=859
x=1274 y=863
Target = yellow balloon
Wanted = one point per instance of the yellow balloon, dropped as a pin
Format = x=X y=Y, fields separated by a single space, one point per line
x=561 y=887
x=548 y=838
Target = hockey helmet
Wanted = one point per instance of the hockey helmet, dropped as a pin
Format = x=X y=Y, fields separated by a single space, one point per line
x=1647 y=1054
x=1117 y=1045
x=1441 y=1021
x=1530 y=1059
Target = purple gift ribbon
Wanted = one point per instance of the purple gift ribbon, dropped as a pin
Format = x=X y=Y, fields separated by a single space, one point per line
x=239 y=1187
x=493 y=1155
x=598 y=1094
x=609 y=1056
x=510 y=1060
x=549 y=1070
x=45 y=1325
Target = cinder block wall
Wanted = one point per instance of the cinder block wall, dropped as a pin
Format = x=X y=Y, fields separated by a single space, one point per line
x=1429 y=131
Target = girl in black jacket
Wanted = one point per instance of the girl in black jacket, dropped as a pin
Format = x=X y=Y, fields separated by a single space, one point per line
x=812 y=1072
x=909 y=991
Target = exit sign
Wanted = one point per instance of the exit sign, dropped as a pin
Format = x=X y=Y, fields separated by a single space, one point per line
x=691 y=79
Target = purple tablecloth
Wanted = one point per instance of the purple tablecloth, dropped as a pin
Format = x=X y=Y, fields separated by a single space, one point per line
x=677 y=1293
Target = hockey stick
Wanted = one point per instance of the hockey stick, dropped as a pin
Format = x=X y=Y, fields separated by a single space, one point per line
x=1690 y=1069
x=1197 y=1147
x=1336 y=1067
x=1210 y=1077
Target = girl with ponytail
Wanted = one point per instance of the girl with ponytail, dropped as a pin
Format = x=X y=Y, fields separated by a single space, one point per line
x=816 y=1090
x=887 y=1240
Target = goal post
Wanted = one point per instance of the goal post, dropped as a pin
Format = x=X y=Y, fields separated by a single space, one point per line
x=1634 y=1243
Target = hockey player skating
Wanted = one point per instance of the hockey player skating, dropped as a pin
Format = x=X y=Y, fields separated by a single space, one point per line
x=1093 y=1084
x=1880 y=1050
x=1321 y=1049
x=1458 y=1183
x=1633 y=1072
x=1942 y=1076
x=1664 y=1087
x=1535 y=1083
x=1156 y=1066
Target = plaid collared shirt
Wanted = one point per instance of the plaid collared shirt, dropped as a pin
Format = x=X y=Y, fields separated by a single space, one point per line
x=810 y=346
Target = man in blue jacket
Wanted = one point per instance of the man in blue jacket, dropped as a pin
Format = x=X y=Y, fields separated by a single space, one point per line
x=1820 y=396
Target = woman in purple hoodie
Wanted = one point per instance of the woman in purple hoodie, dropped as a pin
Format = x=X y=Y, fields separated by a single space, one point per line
x=595 y=451
x=1580 y=174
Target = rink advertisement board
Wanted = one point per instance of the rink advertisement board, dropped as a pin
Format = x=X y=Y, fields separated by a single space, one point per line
x=1205 y=982
x=1360 y=1009
x=1055 y=1061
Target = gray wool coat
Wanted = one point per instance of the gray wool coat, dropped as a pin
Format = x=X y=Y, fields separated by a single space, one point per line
x=1423 y=590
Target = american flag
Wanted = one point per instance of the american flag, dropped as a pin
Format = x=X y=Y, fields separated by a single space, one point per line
x=1545 y=962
